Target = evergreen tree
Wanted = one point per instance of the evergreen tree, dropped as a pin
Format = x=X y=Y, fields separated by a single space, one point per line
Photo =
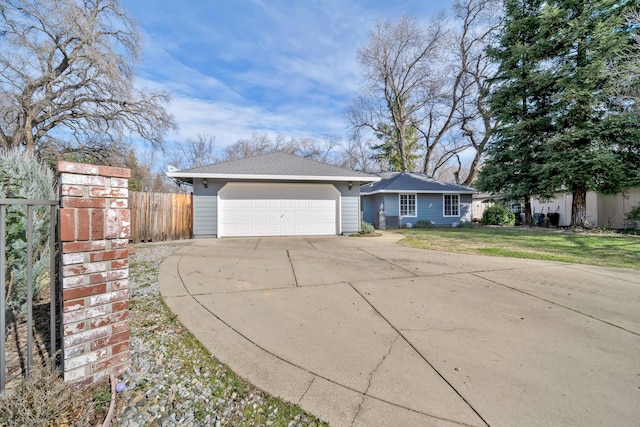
x=561 y=127
x=592 y=129
x=521 y=102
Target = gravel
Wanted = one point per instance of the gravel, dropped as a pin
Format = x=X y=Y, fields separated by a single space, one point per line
x=173 y=380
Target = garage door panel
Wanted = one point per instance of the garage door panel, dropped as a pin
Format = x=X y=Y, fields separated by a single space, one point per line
x=260 y=204
x=245 y=216
x=317 y=216
x=261 y=209
x=260 y=216
x=302 y=204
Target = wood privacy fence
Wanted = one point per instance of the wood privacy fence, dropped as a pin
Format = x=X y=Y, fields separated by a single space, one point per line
x=158 y=217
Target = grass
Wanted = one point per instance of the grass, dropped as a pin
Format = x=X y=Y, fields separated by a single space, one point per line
x=610 y=250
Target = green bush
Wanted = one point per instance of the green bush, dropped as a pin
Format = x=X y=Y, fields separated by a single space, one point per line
x=634 y=214
x=465 y=224
x=366 y=227
x=424 y=223
x=498 y=215
x=22 y=176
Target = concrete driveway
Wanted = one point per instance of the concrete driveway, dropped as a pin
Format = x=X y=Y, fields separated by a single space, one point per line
x=364 y=332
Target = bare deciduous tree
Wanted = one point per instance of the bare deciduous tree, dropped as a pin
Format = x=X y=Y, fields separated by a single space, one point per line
x=358 y=156
x=194 y=152
x=326 y=150
x=425 y=89
x=397 y=65
x=67 y=77
x=481 y=21
x=457 y=120
x=255 y=145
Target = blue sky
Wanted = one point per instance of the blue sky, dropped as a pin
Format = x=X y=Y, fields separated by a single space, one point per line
x=234 y=67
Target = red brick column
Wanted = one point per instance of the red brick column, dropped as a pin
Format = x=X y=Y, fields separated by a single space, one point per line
x=94 y=234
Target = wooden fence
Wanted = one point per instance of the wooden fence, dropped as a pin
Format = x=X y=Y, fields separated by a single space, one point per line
x=157 y=217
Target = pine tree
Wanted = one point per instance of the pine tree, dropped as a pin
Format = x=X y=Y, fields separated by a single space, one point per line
x=562 y=130
x=521 y=102
x=584 y=152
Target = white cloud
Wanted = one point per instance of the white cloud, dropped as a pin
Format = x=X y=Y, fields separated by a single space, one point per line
x=273 y=66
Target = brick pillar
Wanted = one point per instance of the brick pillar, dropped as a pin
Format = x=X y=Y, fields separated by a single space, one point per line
x=94 y=233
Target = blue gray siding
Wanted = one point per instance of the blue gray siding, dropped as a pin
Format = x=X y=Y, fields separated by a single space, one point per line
x=205 y=208
x=370 y=208
x=429 y=207
x=466 y=207
x=350 y=206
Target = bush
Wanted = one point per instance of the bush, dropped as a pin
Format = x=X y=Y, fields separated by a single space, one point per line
x=366 y=227
x=44 y=399
x=465 y=224
x=22 y=176
x=424 y=223
x=498 y=215
x=634 y=214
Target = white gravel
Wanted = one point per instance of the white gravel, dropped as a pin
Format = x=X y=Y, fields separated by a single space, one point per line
x=173 y=380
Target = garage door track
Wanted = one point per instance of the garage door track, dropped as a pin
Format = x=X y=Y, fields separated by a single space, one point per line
x=364 y=332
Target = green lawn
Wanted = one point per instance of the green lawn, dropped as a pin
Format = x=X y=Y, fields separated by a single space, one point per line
x=581 y=248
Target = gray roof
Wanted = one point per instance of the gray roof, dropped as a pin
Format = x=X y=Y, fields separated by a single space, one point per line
x=409 y=182
x=277 y=165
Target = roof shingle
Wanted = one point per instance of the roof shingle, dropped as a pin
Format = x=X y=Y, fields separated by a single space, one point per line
x=394 y=182
x=277 y=164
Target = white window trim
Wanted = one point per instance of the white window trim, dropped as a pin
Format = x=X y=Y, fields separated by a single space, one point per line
x=444 y=210
x=415 y=200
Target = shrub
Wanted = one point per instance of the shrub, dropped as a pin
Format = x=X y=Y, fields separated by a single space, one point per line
x=44 y=399
x=424 y=223
x=498 y=215
x=634 y=214
x=366 y=227
x=22 y=176
x=465 y=224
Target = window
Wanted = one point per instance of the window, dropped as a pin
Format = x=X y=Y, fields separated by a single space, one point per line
x=451 y=205
x=408 y=205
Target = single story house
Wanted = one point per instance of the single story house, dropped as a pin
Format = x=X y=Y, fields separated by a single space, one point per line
x=275 y=194
x=400 y=199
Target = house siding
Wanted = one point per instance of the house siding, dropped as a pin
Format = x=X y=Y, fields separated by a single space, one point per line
x=349 y=207
x=429 y=207
x=371 y=209
x=205 y=208
x=607 y=211
x=466 y=207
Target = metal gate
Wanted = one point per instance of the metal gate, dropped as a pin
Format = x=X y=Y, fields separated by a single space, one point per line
x=35 y=209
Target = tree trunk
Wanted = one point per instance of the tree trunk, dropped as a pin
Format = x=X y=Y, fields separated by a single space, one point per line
x=528 y=218
x=579 y=206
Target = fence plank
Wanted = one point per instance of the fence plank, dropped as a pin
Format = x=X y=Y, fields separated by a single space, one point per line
x=160 y=216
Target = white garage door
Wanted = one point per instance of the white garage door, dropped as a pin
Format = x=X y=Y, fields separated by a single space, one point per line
x=264 y=209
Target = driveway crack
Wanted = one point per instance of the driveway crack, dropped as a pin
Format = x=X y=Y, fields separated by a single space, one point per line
x=307 y=390
x=371 y=374
x=557 y=304
x=293 y=270
x=422 y=356
x=388 y=262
